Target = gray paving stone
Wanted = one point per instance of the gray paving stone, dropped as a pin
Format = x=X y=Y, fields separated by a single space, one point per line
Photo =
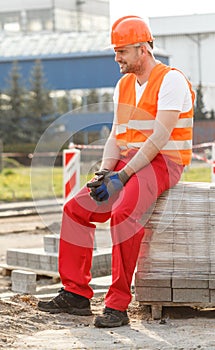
x=152 y=280
x=212 y=296
x=191 y=295
x=23 y=281
x=149 y=294
x=212 y=281
x=190 y=281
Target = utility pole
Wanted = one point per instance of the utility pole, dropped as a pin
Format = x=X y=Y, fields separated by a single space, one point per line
x=1 y=156
x=198 y=38
x=199 y=44
x=53 y=16
x=79 y=4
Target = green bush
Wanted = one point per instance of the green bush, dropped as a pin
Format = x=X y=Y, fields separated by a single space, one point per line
x=7 y=172
x=10 y=163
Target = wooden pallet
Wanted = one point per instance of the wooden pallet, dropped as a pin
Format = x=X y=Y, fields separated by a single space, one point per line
x=157 y=307
x=7 y=270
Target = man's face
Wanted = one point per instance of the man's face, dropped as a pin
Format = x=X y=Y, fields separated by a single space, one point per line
x=129 y=59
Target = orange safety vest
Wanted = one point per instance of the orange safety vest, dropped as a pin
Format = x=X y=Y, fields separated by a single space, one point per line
x=135 y=123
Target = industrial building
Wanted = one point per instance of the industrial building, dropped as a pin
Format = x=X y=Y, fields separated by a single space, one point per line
x=53 y=15
x=190 y=42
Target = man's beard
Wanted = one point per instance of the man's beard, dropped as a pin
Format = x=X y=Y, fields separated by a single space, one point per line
x=125 y=68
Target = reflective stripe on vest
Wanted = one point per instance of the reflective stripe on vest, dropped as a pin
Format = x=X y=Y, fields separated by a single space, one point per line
x=170 y=145
x=149 y=125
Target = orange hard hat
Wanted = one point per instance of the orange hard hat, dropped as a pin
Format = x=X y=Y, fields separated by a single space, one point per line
x=130 y=30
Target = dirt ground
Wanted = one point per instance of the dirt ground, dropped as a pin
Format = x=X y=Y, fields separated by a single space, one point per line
x=22 y=326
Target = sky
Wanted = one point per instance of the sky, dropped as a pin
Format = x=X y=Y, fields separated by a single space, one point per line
x=157 y=8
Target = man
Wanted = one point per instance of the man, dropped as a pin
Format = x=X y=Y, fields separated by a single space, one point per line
x=148 y=147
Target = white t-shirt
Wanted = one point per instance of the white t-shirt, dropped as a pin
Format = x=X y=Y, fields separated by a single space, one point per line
x=174 y=93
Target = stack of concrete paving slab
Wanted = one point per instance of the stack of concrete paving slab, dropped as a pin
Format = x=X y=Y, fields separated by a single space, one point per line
x=44 y=261
x=177 y=257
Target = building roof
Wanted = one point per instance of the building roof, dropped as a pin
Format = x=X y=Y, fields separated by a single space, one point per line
x=51 y=44
x=43 y=45
x=179 y=25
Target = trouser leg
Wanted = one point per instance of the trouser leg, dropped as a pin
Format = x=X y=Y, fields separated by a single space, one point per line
x=77 y=241
x=127 y=218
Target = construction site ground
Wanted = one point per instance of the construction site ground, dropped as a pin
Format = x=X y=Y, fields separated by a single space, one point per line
x=23 y=326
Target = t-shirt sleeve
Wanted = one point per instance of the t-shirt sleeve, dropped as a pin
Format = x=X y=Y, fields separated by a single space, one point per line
x=116 y=93
x=174 y=93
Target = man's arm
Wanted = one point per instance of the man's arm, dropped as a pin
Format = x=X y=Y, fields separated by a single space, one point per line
x=111 y=152
x=164 y=124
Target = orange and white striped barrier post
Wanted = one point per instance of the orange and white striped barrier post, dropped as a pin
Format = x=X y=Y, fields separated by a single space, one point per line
x=71 y=172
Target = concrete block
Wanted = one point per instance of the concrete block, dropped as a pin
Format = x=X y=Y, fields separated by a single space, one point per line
x=148 y=294
x=108 y=259
x=155 y=265
x=11 y=257
x=45 y=258
x=212 y=281
x=101 y=265
x=34 y=257
x=45 y=262
x=190 y=281
x=197 y=252
x=212 y=269
x=54 y=262
x=152 y=280
x=189 y=266
x=34 y=265
x=191 y=295
x=51 y=243
x=212 y=296
x=23 y=281
x=22 y=259
x=163 y=235
x=48 y=241
x=161 y=251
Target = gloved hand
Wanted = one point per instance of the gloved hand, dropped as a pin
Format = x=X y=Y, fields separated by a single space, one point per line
x=112 y=182
x=96 y=182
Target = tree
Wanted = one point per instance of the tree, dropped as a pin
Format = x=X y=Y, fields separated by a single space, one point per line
x=200 y=111
x=15 y=111
x=2 y=117
x=212 y=116
x=92 y=101
x=39 y=103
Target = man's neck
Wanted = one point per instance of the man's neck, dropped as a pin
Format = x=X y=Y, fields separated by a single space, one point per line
x=143 y=78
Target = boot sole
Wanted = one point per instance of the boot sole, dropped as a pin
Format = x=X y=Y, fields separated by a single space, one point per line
x=100 y=324
x=72 y=311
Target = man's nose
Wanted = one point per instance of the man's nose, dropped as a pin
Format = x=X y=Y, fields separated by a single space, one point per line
x=117 y=56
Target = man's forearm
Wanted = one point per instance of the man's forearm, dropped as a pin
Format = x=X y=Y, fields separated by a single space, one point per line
x=111 y=154
x=142 y=158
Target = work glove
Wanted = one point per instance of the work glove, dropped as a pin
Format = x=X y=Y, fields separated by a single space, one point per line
x=107 y=184
x=95 y=182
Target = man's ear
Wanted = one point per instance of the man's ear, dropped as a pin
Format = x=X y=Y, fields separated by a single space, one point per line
x=144 y=50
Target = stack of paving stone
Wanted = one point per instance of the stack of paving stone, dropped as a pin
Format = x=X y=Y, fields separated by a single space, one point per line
x=44 y=261
x=177 y=257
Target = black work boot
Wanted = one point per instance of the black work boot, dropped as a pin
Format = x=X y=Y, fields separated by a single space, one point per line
x=68 y=302
x=111 y=318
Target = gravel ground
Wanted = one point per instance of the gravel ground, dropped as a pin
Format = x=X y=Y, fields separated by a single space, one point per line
x=24 y=327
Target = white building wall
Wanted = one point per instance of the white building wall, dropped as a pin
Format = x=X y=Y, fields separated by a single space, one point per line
x=179 y=37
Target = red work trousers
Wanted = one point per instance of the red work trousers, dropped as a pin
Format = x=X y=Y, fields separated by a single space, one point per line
x=128 y=211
